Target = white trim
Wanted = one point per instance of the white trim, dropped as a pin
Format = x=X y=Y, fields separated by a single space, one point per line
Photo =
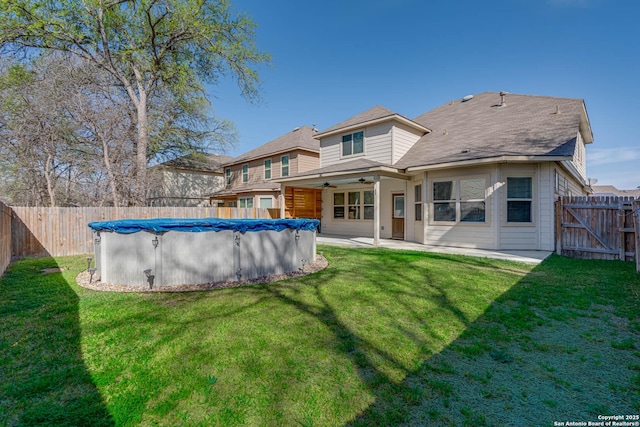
x=393 y=117
x=500 y=159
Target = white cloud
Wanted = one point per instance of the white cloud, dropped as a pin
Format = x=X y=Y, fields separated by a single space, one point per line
x=608 y=156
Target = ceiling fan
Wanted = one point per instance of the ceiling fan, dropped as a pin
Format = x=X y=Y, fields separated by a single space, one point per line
x=364 y=181
x=327 y=185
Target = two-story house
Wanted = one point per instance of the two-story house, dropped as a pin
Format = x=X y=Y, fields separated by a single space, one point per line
x=482 y=171
x=249 y=179
x=186 y=180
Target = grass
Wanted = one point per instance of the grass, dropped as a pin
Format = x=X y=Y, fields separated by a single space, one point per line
x=380 y=337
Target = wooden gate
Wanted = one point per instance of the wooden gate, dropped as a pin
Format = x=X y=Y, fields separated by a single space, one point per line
x=596 y=228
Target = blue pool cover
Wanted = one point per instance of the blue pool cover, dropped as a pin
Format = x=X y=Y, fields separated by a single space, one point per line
x=194 y=225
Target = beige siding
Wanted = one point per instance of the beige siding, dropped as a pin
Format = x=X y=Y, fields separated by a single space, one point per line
x=361 y=227
x=186 y=188
x=403 y=139
x=468 y=235
x=307 y=161
x=513 y=236
x=377 y=146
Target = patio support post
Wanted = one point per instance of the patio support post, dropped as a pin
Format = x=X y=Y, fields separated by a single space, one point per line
x=281 y=197
x=376 y=210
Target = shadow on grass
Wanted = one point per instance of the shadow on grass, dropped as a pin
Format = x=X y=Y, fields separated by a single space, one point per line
x=556 y=346
x=43 y=379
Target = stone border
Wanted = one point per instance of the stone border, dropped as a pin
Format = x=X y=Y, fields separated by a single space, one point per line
x=82 y=279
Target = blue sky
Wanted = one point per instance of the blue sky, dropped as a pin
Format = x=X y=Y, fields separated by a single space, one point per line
x=334 y=59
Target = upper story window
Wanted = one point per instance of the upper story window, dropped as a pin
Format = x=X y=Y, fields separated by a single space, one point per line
x=227 y=175
x=245 y=173
x=284 y=165
x=353 y=144
x=519 y=199
x=267 y=169
x=459 y=200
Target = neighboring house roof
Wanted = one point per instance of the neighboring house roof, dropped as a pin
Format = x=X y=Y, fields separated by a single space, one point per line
x=482 y=128
x=198 y=162
x=248 y=188
x=610 y=190
x=302 y=138
x=372 y=116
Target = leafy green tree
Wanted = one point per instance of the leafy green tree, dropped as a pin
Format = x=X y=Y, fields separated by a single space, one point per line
x=150 y=47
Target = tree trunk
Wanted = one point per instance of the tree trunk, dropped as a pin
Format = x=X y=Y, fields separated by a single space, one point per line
x=47 y=177
x=141 y=150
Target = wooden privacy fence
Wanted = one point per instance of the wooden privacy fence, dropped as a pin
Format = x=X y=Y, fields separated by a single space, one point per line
x=597 y=228
x=45 y=231
x=5 y=237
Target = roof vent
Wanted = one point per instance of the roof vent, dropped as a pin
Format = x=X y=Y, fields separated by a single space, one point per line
x=465 y=151
x=503 y=98
x=295 y=129
x=557 y=110
x=467 y=98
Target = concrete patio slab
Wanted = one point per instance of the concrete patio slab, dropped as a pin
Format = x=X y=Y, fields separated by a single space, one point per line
x=529 y=257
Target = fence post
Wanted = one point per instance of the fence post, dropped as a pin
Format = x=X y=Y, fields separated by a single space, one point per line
x=558 y=212
x=636 y=229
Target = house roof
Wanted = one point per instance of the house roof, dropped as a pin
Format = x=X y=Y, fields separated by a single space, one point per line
x=352 y=167
x=373 y=115
x=248 y=188
x=198 y=161
x=610 y=190
x=302 y=137
x=481 y=128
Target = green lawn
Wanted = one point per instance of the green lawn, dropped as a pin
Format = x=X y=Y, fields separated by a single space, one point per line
x=380 y=337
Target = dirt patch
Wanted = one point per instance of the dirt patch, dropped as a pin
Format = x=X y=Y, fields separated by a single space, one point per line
x=83 y=279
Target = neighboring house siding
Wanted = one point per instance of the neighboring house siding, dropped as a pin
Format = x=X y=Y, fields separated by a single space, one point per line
x=403 y=140
x=307 y=161
x=187 y=188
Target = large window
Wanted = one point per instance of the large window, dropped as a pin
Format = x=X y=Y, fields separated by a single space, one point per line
x=355 y=204
x=459 y=200
x=284 y=165
x=246 y=202
x=227 y=175
x=418 y=202
x=353 y=143
x=267 y=169
x=519 y=199
x=245 y=173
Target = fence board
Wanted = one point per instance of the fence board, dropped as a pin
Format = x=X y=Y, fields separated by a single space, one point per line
x=5 y=237
x=36 y=232
x=596 y=228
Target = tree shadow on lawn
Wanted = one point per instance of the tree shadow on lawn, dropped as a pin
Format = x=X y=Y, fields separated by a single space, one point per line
x=546 y=350
x=43 y=378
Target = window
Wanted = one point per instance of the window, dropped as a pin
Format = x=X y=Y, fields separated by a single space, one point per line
x=284 y=165
x=354 y=205
x=418 y=202
x=227 y=175
x=338 y=205
x=245 y=173
x=353 y=143
x=460 y=200
x=519 y=199
x=266 y=202
x=359 y=205
x=267 y=169
x=246 y=202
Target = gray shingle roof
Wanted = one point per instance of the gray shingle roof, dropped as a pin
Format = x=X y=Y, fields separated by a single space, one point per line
x=260 y=186
x=350 y=166
x=480 y=128
x=199 y=161
x=374 y=113
x=302 y=137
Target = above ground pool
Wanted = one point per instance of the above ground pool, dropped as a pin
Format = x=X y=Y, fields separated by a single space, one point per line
x=171 y=252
